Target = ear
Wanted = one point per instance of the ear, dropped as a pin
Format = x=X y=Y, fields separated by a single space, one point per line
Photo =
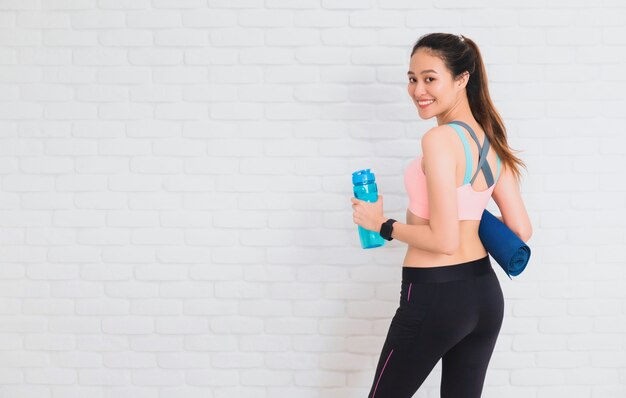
x=464 y=79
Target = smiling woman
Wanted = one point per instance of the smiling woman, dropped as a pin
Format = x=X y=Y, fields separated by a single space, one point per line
x=451 y=303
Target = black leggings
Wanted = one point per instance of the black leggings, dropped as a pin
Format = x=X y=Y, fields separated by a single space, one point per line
x=453 y=312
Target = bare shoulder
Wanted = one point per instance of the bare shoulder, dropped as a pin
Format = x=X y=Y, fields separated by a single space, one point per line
x=437 y=144
x=439 y=136
x=436 y=151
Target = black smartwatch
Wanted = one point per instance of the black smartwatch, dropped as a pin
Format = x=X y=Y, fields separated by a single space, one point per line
x=386 y=229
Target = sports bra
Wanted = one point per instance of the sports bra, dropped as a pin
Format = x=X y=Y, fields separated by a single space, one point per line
x=470 y=203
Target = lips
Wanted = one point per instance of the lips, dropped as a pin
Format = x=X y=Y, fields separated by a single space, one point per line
x=425 y=103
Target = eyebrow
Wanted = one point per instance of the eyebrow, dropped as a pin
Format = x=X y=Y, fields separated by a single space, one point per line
x=422 y=72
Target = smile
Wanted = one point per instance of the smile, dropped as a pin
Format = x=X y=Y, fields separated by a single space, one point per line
x=424 y=104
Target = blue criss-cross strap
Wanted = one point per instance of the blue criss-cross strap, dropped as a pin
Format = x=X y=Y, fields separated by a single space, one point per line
x=482 y=155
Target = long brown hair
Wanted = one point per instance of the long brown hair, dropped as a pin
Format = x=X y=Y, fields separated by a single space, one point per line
x=459 y=54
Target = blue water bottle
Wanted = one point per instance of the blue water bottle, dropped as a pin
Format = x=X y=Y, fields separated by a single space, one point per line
x=365 y=189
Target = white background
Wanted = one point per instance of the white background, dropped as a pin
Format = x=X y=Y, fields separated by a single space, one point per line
x=175 y=214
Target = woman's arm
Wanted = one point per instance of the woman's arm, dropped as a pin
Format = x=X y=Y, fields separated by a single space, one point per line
x=442 y=234
x=508 y=197
x=422 y=237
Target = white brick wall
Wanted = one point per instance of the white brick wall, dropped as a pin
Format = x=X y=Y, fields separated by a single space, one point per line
x=175 y=184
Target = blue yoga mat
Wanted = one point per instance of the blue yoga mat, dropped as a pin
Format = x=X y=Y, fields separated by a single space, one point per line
x=503 y=245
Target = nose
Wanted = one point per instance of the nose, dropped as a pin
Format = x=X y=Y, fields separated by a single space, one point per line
x=418 y=90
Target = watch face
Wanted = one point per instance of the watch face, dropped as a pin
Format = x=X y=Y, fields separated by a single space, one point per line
x=385 y=230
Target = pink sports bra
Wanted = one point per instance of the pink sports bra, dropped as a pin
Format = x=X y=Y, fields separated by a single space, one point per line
x=471 y=203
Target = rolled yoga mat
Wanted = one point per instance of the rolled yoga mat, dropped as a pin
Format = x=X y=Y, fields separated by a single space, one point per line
x=503 y=245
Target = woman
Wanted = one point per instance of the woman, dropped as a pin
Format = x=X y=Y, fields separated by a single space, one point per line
x=451 y=305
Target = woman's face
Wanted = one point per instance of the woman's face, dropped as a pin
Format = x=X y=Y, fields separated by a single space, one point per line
x=429 y=80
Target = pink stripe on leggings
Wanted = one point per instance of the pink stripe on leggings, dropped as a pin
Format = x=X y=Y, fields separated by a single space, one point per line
x=409 y=298
x=381 y=373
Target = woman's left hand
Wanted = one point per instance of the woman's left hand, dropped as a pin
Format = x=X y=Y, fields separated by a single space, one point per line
x=368 y=215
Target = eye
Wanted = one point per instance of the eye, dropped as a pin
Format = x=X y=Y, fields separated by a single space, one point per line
x=411 y=80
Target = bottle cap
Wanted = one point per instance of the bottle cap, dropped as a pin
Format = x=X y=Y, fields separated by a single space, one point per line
x=362 y=177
